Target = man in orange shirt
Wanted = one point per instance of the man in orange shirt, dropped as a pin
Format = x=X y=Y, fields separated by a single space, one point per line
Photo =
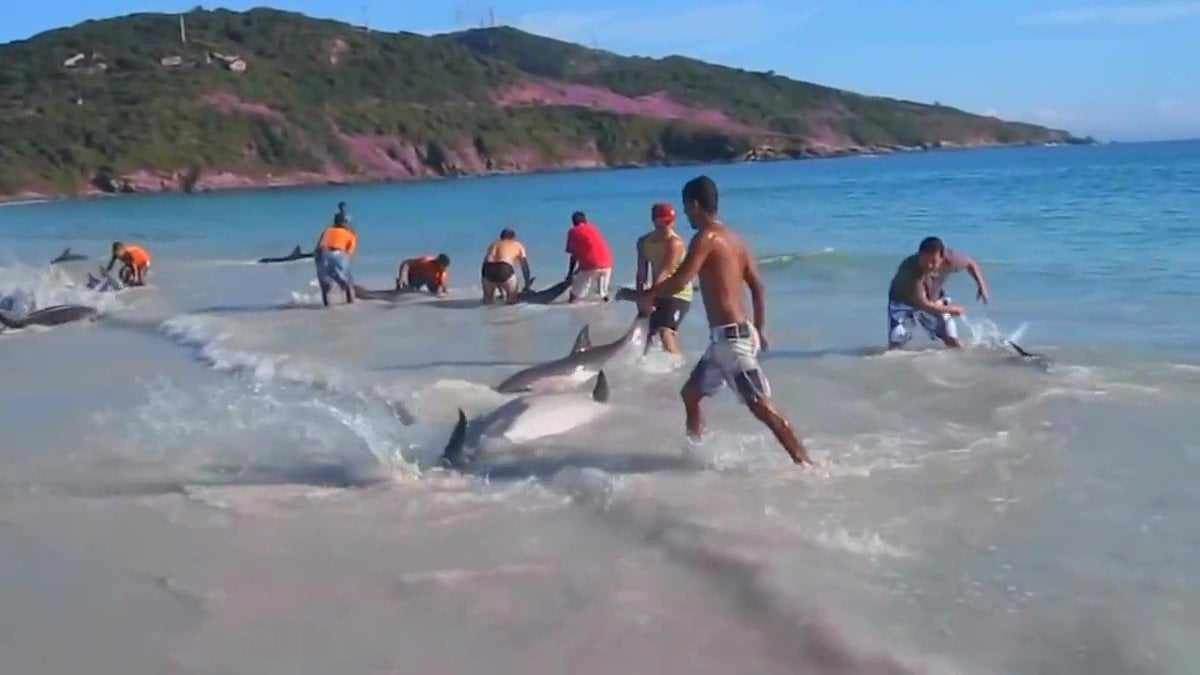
x=428 y=272
x=332 y=257
x=136 y=263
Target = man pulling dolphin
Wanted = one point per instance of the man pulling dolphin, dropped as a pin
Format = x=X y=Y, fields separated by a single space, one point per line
x=721 y=260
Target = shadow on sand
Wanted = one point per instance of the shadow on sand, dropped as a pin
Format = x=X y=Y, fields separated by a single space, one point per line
x=546 y=467
x=348 y=475
x=323 y=475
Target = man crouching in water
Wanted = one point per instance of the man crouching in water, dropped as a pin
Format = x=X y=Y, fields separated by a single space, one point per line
x=497 y=272
x=723 y=264
x=910 y=301
x=135 y=262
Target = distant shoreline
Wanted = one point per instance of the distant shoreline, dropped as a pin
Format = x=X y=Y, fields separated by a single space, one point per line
x=30 y=197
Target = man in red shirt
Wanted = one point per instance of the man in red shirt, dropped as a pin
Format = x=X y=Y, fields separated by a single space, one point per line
x=590 y=252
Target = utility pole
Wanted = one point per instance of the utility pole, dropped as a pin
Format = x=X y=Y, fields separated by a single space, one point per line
x=182 y=30
x=366 y=16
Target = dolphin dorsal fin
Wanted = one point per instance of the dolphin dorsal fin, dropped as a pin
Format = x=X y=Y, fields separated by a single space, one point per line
x=583 y=341
x=600 y=391
x=452 y=455
x=296 y=251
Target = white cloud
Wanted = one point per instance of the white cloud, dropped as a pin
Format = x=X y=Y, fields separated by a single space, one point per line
x=1144 y=14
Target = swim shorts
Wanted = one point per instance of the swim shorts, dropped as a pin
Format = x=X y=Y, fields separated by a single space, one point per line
x=497 y=272
x=732 y=358
x=333 y=266
x=668 y=313
x=902 y=318
x=584 y=280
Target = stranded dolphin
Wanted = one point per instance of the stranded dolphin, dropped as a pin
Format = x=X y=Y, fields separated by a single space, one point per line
x=50 y=316
x=388 y=294
x=104 y=282
x=1038 y=360
x=296 y=254
x=526 y=419
x=68 y=256
x=576 y=367
x=544 y=296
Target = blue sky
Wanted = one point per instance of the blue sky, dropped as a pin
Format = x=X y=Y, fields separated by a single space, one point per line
x=1122 y=70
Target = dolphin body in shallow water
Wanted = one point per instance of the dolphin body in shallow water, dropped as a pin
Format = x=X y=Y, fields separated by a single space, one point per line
x=104 y=282
x=296 y=254
x=544 y=296
x=386 y=294
x=526 y=419
x=578 y=366
x=1040 y=361
x=68 y=256
x=50 y=316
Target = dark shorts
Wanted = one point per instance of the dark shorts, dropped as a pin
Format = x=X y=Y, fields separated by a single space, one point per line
x=497 y=272
x=668 y=313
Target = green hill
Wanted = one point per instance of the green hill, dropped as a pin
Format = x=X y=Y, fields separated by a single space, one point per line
x=271 y=97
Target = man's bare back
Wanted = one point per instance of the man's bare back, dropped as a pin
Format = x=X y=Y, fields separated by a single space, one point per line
x=505 y=250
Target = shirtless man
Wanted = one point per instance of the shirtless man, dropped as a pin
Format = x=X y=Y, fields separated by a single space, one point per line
x=497 y=272
x=723 y=264
x=915 y=297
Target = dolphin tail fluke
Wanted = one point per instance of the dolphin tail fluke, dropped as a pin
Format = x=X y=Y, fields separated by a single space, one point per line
x=452 y=455
x=583 y=341
x=600 y=391
x=1016 y=347
x=9 y=322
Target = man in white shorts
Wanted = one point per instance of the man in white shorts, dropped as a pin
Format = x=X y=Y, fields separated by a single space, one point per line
x=591 y=259
x=718 y=256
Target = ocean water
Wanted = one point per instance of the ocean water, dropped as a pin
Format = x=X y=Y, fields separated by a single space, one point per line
x=213 y=478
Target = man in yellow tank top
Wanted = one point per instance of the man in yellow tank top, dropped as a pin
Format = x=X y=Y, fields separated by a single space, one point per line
x=659 y=253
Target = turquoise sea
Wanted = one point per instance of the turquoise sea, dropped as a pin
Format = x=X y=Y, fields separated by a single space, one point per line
x=213 y=479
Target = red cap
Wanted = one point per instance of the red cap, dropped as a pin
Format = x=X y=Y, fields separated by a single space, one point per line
x=662 y=211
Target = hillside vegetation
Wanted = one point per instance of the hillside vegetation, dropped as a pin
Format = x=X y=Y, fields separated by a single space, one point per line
x=267 y=96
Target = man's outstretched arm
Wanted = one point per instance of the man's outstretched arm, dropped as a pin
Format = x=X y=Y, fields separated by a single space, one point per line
x=697 y=252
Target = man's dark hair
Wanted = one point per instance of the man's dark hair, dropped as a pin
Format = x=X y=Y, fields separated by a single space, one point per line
x=931 y=245
x=341 y=206
x=507 y=234
x=703 y=191
x=578 y=217
x=443 y=260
